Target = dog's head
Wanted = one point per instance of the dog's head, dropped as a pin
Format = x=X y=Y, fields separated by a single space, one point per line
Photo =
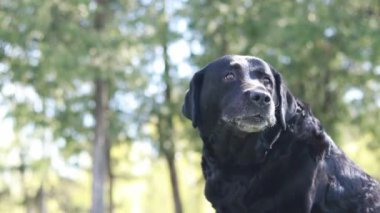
x=244 y=92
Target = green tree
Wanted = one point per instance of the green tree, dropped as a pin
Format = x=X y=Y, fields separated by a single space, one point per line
x=164 y=102
x=72 y=55
x=166 y=114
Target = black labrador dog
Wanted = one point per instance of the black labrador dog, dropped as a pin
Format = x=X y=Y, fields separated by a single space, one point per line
x=264 y=151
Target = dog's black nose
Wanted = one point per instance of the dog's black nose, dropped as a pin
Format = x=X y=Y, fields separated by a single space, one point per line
x=258 y=97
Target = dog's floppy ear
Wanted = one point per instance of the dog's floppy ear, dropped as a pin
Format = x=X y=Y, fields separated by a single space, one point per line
x=191 y=108
x=286 y=103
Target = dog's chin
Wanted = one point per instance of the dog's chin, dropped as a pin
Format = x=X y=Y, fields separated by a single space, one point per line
x=250 y=128
x=252 y=124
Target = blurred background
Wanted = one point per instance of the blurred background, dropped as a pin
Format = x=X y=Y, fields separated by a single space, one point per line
x=91 y=92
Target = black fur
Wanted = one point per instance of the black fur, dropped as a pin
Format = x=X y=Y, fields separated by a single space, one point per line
x=292 y=166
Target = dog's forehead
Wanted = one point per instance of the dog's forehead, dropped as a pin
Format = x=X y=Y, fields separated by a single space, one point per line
x=250 y=62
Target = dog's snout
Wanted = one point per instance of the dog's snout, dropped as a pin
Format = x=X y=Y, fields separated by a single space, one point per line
x=258 y=97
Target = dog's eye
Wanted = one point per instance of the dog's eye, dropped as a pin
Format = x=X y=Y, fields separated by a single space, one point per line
x=229 y=76
x=267 y=81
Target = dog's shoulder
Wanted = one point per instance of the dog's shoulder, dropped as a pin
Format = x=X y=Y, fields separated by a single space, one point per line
x=340 y=183
x=305 y=130
x=344 y=185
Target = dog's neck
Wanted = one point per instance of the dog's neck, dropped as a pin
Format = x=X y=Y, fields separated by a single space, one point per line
x=223 y=144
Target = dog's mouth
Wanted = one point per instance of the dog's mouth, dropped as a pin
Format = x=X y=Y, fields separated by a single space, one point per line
x=253 y=119
x=252 y=123
x=249 y=120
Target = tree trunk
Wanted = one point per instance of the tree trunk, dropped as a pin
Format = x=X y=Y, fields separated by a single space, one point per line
x=40 y=199
x=166 y=118
x=99 y=157
x=22 y=169
x=167 y=144
x=174 y=183
x=110 y=178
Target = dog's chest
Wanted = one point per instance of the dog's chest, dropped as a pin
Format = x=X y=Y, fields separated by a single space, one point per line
x=227 y=191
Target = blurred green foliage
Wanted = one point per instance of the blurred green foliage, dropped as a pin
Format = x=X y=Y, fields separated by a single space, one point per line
x=50 y=53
